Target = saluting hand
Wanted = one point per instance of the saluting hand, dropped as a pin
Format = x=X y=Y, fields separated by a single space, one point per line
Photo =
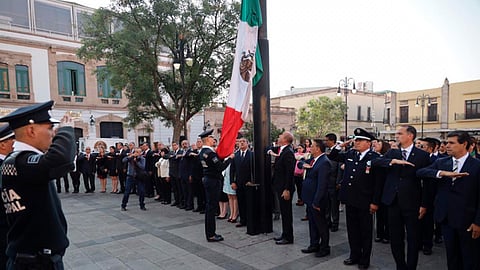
x=453 y=174
x=66 y=121
x=401 y=162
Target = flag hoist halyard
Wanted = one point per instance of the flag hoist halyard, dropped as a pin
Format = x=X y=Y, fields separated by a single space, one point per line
x=247 y=71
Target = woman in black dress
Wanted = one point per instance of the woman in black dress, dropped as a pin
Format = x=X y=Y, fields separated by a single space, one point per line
x=112 y=165
x=102 y=169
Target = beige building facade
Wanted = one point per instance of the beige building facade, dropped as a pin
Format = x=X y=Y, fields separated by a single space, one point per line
x=436 y=111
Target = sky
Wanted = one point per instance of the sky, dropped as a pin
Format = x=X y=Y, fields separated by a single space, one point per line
x=398 y=45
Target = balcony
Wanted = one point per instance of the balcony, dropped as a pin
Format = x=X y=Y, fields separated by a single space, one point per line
x=417 y=119
x=470 y=116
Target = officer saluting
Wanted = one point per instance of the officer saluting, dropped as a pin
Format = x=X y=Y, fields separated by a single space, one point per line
x=37 y=235
x=360 y=190
x=212 y=181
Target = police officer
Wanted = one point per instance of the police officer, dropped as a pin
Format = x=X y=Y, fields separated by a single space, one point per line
x=7 y=138
x=212 y=181
x=37 y=235
x=361 y=192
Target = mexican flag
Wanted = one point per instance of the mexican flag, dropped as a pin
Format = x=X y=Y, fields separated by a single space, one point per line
x=247 y=71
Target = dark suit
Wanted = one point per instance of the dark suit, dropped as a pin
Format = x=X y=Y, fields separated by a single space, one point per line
x=283 y=180
x=174 y=179
x=149 y=168
x=122 y=170
x=403 y=194
x=457 y=206
x=315 y=193
x=361 y=186
x=87 y=168
x=426 y=223
x=241 y=173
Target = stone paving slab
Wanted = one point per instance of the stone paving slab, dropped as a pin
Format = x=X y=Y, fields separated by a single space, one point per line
x=164 y=237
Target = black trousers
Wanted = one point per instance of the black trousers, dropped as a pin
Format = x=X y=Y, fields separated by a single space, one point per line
x=166 y=189
x=426 y=230
x=89 y=181
x=149 y=185
x=75 y=180
x=199 y=192
x=242 y=203
x=212 y=195
x=401 y=220
x=122 y=177
x=463 y=252
x=187 y=192
x=3 y=244
x=176 y=193
x=287 y=218
x=332 y=213
x=59 y=183
x=318 y=228
x=298 y=185
x=383 y=231
x=360 y=232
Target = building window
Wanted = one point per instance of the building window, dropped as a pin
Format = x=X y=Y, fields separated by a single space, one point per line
x=404 y=114
x=359 y=113
x=23 y=83
x=472 y=109
x=104 y=87
x=369 y=114
x=54 y=19
x=432 y=114
x=111 y=130
x=386 y=120
x=71 y=78
x=15 y=13
x=4 y=85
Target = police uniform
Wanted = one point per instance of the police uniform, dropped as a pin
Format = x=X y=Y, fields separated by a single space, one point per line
x=360 y=187
x=5 y=133
x=37 y=236
x=212 y=182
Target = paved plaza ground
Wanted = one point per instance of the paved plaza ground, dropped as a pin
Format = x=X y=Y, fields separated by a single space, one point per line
x=164 y=237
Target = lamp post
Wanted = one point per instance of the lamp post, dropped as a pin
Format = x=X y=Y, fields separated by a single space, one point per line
x=343 y=84
x=421 y=102
x=182 y=58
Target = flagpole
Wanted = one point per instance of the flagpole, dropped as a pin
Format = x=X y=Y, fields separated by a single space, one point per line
x=262 y=140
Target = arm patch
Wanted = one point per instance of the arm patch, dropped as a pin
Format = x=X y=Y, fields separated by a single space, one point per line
x=33 y=159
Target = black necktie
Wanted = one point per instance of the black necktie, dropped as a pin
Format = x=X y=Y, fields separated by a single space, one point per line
x=404 y=154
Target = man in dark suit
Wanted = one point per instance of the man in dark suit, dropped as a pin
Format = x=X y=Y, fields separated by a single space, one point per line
x=87 y=168
x=241 y=173
x=284 y=185
x=149 y=168
x=426 y=223
x=173 y=171
x=122 y=172
x=315 y=197
x=457 y=204
x=404 y=195
x=361 y=191
x=333 y=213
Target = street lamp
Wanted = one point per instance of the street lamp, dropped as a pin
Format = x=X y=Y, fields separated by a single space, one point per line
x=421 y=102
x=182 y=58
x=343 y=84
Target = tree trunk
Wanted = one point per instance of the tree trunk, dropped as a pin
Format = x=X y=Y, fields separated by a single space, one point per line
x=177 y=130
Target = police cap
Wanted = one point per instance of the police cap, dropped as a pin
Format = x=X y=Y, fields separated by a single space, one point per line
x=6 y=132
x=33 y=114
x=206 y=133
x=362 y=134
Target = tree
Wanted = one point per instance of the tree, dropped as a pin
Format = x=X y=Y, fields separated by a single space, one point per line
x=248 y=131
x=320 y=116
x=132 y=35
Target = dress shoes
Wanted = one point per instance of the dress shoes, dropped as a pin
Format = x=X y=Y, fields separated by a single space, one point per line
x=189 y=209
x=334 y=229
x=363 y=266
x=276 y=217
x=377 y=239
x=196 y=210
x=215 y=238
x=224 y=217
x=438 y=240
x=240 y=225
x=385 y=241
x=350 y=262
x=305 y=218
x=310 y=249
x=201 y=212
x=174 y=204
x=124 y=209
x=143 y=208
x=322 y=253
x=283 y=242
x=277 y=238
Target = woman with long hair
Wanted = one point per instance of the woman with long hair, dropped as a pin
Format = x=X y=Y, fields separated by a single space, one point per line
x=112 y=165
x=102 y=169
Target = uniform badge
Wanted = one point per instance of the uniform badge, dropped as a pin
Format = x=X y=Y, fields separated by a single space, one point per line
x=367 y=168
x=33 y=159
x=215 y=160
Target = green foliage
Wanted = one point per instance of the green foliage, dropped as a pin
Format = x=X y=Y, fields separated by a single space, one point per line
x=247 y=131
x=320 y=116
x=131 y=35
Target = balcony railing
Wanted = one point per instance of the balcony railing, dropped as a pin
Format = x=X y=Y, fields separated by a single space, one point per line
x=463 y=116
x=418 y=119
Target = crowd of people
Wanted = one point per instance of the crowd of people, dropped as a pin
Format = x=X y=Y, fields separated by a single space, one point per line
x=420 y=190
